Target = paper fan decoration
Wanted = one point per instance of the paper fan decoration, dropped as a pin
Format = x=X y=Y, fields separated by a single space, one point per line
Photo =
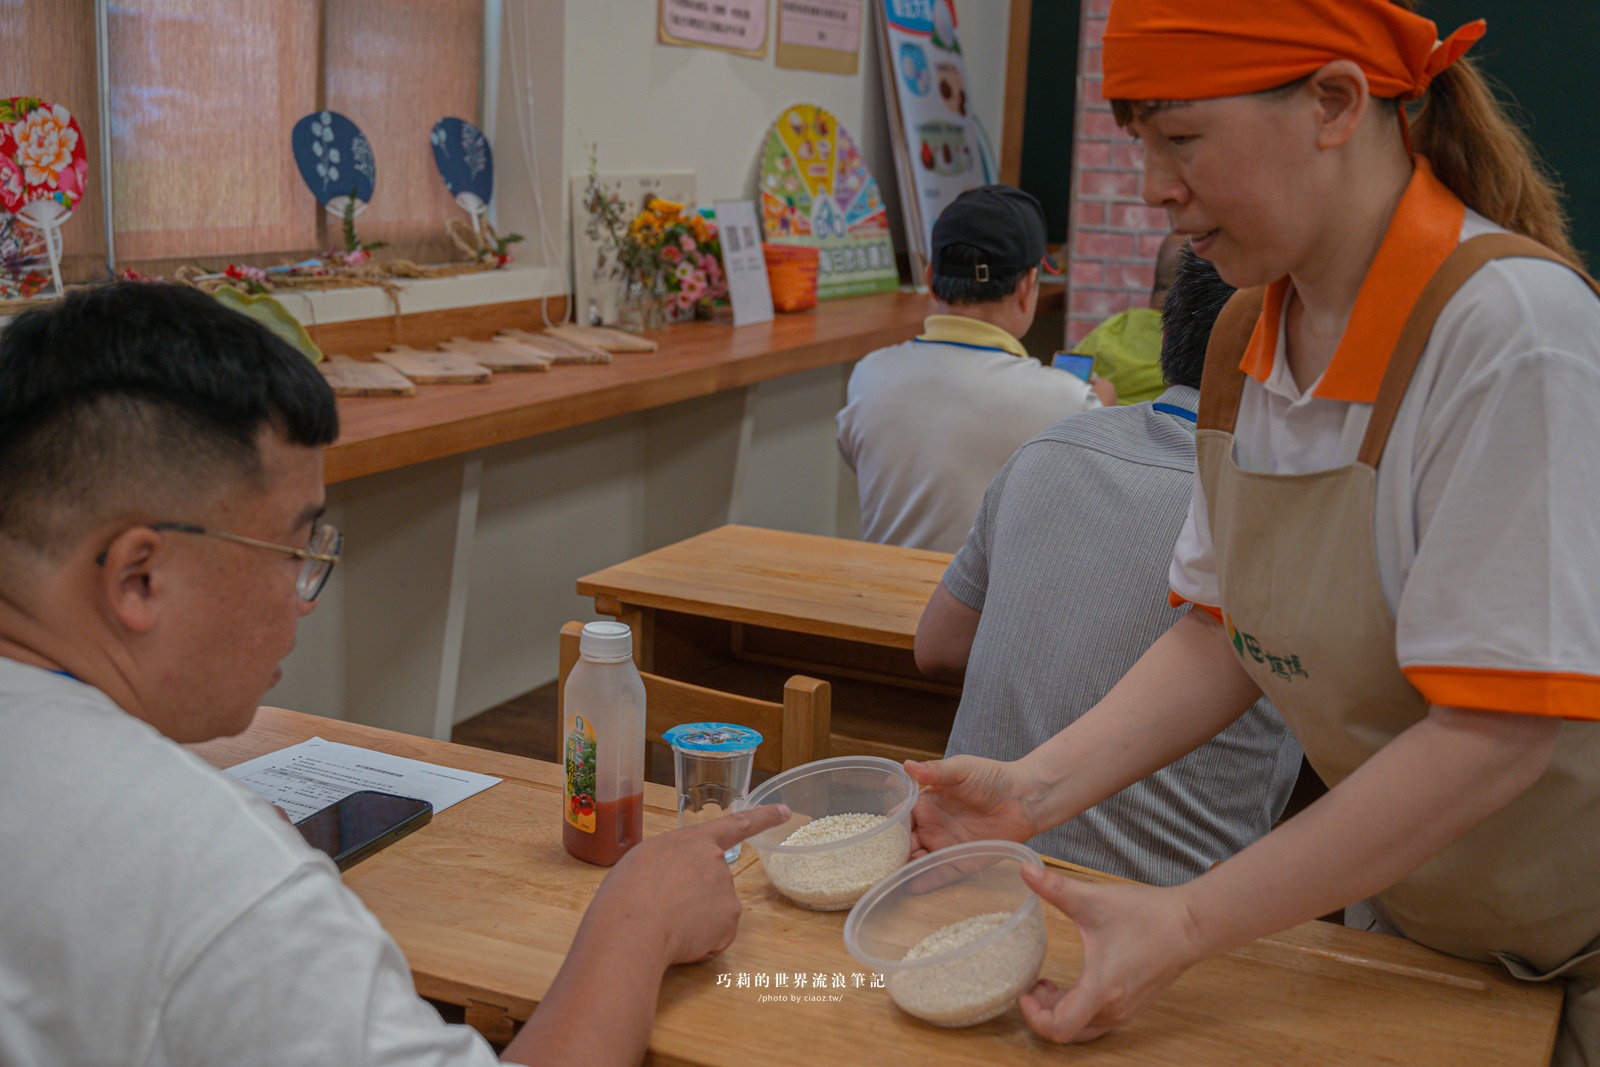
x=816 y=190
x=24 y=259
x=335 y=159
x=44 y=163
x=461 y=152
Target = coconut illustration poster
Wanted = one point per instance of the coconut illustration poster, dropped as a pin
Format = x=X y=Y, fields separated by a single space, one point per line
x=816 y=190
x=939 y=149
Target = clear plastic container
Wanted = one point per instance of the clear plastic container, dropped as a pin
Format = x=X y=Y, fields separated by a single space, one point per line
x=957 y=934
x=603 y=747
x=853 y=817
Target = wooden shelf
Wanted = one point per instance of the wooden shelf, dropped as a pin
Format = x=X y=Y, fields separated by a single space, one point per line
x=695 y=359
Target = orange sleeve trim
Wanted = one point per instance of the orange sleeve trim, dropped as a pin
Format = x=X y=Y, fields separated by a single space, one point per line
x=1176 y=601
x=1562 y=696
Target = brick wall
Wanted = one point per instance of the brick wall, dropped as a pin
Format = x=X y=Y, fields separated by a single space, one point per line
x=1114 y=237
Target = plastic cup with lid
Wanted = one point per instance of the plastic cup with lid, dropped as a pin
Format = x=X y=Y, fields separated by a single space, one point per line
x=711 y=762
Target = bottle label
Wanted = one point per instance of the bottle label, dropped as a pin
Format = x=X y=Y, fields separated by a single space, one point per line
x=580 y=758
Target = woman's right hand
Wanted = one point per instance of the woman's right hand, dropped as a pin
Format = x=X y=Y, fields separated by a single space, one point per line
x=966 y=798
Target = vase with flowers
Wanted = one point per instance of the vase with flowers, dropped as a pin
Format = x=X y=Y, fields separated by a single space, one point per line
x=667 y=257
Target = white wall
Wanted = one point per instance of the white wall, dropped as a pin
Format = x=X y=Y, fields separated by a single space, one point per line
x=598 y=76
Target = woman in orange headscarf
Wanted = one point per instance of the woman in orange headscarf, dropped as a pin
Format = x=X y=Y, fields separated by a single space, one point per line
x=1395 y=525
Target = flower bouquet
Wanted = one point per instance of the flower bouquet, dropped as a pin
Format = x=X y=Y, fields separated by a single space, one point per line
x=669 y=258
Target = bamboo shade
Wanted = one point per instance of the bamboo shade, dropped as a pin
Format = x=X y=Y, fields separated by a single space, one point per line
x=203 y=98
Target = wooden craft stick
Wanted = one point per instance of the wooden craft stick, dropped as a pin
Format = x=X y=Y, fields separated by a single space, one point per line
x=497 y=355
x=556 y=349
x=605 y=337
x=434 y=368
x=359 y=377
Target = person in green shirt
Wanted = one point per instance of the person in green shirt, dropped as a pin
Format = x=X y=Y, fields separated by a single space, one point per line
x=1127 y=346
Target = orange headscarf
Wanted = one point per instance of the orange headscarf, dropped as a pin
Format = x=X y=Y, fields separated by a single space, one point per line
x=1198 y=49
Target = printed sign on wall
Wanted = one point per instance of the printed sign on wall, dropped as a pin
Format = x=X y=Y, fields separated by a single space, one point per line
x=738 y=26
x=823 y=35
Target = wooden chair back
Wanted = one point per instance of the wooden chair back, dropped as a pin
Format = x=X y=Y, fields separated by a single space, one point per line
x=793 y=732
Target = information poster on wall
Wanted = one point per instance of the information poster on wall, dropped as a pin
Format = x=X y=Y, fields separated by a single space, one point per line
x=738 y=26
x=816 y=190
x=821 y=35
x=939 y=149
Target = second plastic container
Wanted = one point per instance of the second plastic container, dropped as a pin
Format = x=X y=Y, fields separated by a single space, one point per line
x=957 y=933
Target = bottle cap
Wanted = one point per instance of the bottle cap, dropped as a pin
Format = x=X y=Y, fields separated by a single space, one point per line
x=607 y=641
x=712 y=738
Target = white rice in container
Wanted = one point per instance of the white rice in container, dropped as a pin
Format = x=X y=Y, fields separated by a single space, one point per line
x=979 y=985
x=834 y=879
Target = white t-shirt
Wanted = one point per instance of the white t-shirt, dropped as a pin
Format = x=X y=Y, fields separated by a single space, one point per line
x=928 y=424
x=1487 y=520
x=153 y=912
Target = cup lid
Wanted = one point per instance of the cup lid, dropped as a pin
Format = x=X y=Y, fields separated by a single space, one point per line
x=715 y=738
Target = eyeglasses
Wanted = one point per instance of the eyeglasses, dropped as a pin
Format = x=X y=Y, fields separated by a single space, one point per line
x=320 y=555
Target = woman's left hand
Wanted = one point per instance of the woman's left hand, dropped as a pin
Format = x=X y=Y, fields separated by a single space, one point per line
x=1137 y=940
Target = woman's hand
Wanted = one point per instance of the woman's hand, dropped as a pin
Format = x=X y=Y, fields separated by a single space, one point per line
x=966 y=798
x=1137 y=940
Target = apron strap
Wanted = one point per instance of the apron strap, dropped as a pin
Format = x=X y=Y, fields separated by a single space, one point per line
x=1462 y=264
x=1222 y=382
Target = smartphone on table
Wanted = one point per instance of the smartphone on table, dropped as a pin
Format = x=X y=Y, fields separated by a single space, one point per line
x=352 y=829
x=1075 y=365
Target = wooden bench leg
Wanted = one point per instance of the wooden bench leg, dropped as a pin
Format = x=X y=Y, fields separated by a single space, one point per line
x=492 y=1021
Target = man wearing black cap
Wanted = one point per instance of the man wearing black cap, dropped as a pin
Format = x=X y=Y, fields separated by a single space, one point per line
x=928 y=423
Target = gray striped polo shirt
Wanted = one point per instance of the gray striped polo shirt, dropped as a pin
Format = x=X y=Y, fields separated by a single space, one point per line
x=1068 y=561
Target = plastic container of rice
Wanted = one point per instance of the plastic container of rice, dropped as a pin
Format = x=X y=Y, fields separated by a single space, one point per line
x=957 y=934
x=850 y=827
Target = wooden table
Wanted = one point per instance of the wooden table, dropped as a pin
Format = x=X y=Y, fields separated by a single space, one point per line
x=716 y=608
x=485 y=903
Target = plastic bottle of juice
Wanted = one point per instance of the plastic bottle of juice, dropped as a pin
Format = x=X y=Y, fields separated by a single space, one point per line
x=603 y=744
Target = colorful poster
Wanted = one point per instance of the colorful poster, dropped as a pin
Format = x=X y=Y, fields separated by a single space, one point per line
x=816 y=190
x=821 y=35
x=939 y=149
x=738 y=26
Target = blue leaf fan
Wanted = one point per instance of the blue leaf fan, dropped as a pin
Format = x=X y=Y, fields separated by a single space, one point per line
x=461 y=152
x=335 y=159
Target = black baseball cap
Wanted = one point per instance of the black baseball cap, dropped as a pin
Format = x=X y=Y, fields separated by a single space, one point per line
x=1004 y=222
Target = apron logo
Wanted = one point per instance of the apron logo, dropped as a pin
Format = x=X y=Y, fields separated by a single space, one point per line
x=1285 y=667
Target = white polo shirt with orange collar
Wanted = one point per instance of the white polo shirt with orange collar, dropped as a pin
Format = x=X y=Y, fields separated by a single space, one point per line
x=928 y=424
x=1487 y=520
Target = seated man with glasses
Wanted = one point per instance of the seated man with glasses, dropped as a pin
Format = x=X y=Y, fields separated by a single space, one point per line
x=160 y=494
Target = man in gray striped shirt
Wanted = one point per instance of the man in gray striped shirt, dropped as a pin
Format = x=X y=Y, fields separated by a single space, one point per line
x=1062 y=584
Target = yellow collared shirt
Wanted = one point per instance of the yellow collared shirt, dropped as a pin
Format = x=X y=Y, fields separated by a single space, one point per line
x=960 y=330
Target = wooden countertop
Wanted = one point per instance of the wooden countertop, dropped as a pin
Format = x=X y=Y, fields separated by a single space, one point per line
x=695 y=359
x=485 y=902
x=803 y=583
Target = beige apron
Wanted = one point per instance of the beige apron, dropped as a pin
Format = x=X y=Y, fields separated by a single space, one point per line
x=1305 y=610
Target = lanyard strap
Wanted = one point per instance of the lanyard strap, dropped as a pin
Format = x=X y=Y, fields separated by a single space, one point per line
x=1173 y=409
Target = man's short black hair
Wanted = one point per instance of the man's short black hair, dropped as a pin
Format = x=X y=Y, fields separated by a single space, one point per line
x=959 y=291
x=136 y=395
x=1193 y=303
